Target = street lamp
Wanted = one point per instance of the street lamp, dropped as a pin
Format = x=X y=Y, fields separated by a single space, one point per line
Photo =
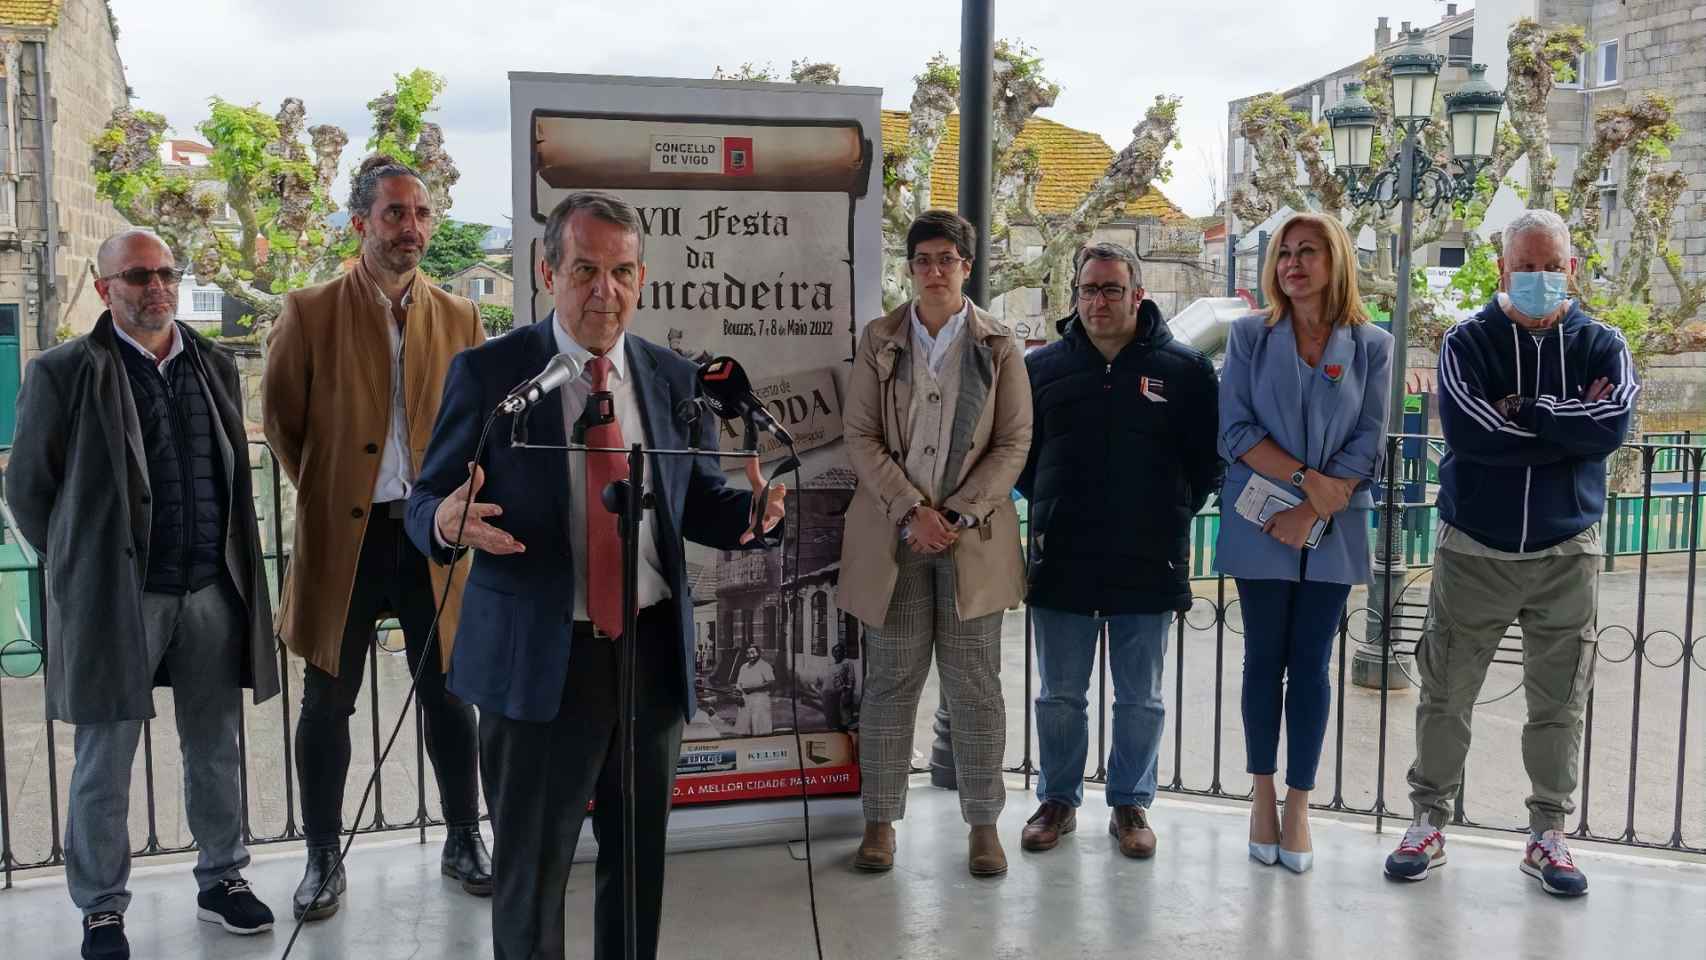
x=1472 y=116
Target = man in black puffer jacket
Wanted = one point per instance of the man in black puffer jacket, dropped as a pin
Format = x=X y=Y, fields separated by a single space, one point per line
x=130 y=477
x=1122 y=456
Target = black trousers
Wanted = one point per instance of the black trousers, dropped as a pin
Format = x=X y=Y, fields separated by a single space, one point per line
x=391 y=576
x=539 y=777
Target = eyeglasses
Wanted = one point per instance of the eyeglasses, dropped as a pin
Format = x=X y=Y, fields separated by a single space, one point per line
x=139 y=276
x=947 y=261
x=1112 y=292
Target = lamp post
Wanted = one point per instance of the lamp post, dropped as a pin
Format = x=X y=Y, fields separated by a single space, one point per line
x=1411 y=176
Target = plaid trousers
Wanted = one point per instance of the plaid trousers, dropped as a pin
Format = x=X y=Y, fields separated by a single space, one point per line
x=921 y=619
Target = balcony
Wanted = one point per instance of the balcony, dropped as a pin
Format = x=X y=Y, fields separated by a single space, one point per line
x=1640 y=831
x=1199 y=898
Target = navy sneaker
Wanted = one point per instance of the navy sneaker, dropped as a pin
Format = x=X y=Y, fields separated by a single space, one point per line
x=1548 y=860
x=231 y=904
x=1421 y=850
x=103 y=937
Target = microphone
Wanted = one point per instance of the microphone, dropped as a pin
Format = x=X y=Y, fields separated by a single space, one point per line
x=559 y=371
x=729 y=394
x=688 y=413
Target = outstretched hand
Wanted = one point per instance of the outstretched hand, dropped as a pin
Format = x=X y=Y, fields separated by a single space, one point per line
x=772 y=502
x=476 y=533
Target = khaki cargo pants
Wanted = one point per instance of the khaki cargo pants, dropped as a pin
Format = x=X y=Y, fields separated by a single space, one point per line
x=1474 y=599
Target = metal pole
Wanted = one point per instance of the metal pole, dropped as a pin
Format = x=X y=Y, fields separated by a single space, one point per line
x=977 y=151
x=977 y=132
x=1231 y=264
x=1261 y=264
x=1369 y=665
x=1401 y=310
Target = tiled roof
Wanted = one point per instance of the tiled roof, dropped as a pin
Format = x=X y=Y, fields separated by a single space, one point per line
x=32 y=13
x=1072 y=160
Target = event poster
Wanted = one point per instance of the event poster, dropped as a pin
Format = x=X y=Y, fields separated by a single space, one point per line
x=752 y=219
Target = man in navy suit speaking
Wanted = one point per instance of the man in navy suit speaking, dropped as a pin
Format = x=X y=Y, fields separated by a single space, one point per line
x=543 y=600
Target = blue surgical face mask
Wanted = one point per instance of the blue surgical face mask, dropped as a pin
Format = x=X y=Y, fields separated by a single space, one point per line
x=1537 y=294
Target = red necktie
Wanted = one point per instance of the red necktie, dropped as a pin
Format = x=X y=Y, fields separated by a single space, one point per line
x=603 y=543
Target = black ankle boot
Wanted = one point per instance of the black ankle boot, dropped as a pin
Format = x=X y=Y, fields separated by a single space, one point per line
x=465 y=860
x=322 y=864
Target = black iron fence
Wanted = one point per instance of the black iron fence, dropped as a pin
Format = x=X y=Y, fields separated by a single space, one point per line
x=1647 y=654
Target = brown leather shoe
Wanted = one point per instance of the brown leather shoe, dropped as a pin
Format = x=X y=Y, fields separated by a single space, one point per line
x=1052 y=821
x=876 y=851
x=1131 y=825
x=987 y=858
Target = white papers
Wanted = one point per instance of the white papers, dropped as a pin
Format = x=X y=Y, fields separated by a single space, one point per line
x=1262 y=498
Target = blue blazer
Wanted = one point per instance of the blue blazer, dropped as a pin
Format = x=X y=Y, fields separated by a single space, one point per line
x=511 y=653
x=1262 y=393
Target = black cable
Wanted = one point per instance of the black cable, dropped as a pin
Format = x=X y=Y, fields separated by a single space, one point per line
x=414 y=681
x=794 y=701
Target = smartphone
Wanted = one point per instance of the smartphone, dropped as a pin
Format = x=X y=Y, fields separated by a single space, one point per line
x=1276 y=505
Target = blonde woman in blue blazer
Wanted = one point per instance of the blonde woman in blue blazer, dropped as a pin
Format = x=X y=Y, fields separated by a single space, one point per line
x=1303 y=398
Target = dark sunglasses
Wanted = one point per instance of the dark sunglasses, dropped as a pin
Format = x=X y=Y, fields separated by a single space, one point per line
x=139 y=276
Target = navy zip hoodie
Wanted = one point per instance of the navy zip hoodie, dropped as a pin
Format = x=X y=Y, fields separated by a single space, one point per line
x=1537 y=479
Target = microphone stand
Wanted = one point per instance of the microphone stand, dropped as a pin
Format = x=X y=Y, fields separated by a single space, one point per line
x=628 y=500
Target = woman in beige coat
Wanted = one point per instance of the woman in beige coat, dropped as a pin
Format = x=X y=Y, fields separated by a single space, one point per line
x=938 y=425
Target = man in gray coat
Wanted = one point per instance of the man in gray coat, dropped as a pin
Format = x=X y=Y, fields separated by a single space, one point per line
x=130 y=476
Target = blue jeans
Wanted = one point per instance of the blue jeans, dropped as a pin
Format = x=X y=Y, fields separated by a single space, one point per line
x=1066 y=655
x=1288 y=640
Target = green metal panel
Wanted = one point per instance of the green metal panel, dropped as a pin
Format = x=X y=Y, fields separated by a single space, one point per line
x=11 y=371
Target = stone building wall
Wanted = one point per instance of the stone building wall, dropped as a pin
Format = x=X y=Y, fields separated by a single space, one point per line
x=86 y=84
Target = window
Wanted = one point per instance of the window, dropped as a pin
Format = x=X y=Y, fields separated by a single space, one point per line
x=850 y=635
x=1451 y=256
x=1608 y=205
x=820 y=624
x=1238 y=147
x=206 y=301
x=1608 y=63
x=482 y=286
x=1461 y=49
x=798 y=627
x=1033 y=301
x=747 y=637
x=1579 y=71
x=772 y=632
x=1567 y=155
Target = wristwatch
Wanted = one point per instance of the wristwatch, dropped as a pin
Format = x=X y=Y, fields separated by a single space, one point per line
x=1297 y=476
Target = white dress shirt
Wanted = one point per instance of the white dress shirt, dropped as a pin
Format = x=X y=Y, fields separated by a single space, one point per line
x=171 y=354
x=935 y=349
x=652 y=585
x=396 y=468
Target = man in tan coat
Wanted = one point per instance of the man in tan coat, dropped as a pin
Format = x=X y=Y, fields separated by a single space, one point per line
x=938 y=427
x=355 y=372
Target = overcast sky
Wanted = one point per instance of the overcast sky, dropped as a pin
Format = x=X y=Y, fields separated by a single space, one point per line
x=1110 y=58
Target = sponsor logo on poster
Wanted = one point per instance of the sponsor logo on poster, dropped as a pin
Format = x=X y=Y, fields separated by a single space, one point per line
x=676 y=154
x=737 y=156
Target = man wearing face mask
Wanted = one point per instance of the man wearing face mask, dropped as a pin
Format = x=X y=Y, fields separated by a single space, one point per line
x=1534 y=395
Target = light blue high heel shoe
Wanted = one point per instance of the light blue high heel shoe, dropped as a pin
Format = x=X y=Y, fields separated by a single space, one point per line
x=1295 y=861
x=1267 y=854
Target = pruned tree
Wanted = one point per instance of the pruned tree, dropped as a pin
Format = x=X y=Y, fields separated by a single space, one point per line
x=253 y=222
x=1020 y=89
x=1539 y=58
